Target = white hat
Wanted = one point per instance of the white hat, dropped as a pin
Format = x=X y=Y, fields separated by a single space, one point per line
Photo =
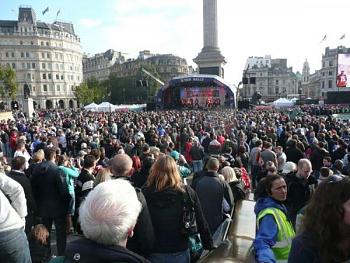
x=289 y=167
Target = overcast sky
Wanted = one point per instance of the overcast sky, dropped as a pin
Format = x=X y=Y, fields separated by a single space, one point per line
x=291 y=29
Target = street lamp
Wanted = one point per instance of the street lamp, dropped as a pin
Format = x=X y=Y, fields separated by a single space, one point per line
x=238 y=88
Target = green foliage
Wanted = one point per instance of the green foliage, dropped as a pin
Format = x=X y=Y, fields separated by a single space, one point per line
x=8 y=86
x=124 y=90
x=92 y=91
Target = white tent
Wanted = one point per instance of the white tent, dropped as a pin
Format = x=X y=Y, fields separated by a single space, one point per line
x=92 y=107
x=106 y=107
x=282 y=103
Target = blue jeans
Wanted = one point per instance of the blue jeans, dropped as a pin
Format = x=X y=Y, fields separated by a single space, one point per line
x=197 y=165
x=177 y=257
x=14 y=247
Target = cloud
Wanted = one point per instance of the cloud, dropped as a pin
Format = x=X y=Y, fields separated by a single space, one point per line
x=90 y=23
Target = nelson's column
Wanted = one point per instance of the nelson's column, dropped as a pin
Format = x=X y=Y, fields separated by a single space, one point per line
x=210 y=60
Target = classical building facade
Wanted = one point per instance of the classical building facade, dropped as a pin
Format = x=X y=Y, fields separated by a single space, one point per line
x=47 y=57
x=270 y=77
x=310 y=82
x=99 y=65
x=167 y=65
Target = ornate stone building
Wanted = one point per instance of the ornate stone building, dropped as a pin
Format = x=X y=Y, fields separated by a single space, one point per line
x=99 y=65
x=46 y=56
x=270 y=77
x=167 y=65
x=310 y=82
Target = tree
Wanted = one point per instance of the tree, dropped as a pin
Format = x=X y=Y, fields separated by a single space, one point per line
x=91 y=91
x=8 y=86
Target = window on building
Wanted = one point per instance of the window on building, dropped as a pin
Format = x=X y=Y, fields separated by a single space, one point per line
x=48 y=55
x=331 y=63
x=32 y=43
x=28 y=65
x=22 y=54
x=323 y=74
x=62 y=77
x=323 y=64
x=13 y=65
x=44 y=75
x=49 y=76
x=28 y=76
x=47 y=44
x=43 y=65
x=27 y=54
x=58 y=87
x=33 y=88
x=42 y=55
x=44 y=87
x=33 y=65
x=330 y=73
x=13 y=54
x=330 y=83
x=276 y=81
x=7 y=54
x=322 y=86
x=57 y=76
x=42 y=43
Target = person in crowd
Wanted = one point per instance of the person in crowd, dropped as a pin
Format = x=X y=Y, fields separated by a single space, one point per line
x=274 y=231
x=300 y=188
x=143 y=238
x=103 y=175
x=325 y=236
x=254 y=161
x=182 y=164
x=71 y=173
x=17 y=173
x=293 y=153
x=22 y=151
x=267 y=155
x=38 y=244
x=52 y=197
x=211 y=192
x=164 y=193
x=281 y=158
x=236 y=185
x=289 y=167
x=197 y=155
x=14 y=246
x=37 y=158
x=140 y=178
x=108 y=216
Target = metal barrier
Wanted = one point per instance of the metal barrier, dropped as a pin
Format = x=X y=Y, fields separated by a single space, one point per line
x=237 y=243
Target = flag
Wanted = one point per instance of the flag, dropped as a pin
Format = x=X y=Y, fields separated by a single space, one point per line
x=324 y=38
x=58 y=12
x=46 y=10
x=342 y=37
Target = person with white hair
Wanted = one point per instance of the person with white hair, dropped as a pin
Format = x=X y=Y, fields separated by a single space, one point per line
x=108 y=216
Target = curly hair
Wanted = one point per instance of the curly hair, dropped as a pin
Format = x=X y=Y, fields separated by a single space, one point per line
x=324 y=215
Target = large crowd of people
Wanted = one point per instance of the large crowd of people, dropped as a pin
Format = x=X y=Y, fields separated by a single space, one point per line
x=121 y=179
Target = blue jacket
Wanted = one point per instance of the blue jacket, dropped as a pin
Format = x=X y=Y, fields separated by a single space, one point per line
x=266 y=235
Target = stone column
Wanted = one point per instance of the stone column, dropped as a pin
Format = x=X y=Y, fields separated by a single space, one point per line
x=210 y=23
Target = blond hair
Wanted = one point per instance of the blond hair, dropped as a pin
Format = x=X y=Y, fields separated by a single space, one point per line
x=103 y=175
x=164 y=173
x=229 y=174
x=40 y=233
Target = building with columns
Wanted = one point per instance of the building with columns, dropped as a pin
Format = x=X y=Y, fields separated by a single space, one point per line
x=210 y=60
x=272 y=78
x=47 y=57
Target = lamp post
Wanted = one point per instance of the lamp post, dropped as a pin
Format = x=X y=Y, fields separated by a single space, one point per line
x=238 y=88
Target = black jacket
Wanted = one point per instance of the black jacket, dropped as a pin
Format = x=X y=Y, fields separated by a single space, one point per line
x=299 y=193
x=24 y=181
x=143 y=239
x=87 y=251
x=166 y=208
x=50 y=190
x=211 y=191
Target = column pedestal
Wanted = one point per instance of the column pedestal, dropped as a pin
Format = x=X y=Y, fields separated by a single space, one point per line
x=28 y=107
